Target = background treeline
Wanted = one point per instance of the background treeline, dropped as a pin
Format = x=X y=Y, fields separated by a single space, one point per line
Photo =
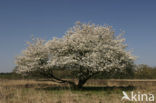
x=139 y=72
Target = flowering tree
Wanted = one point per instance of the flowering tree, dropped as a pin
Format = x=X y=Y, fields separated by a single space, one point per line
x=86 y=49
x=34 y=58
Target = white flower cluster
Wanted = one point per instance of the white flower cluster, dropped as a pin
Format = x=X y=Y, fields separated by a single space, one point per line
x=34 y=57
x=90 y=46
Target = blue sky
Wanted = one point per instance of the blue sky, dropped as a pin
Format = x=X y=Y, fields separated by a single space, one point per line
x=20 y=19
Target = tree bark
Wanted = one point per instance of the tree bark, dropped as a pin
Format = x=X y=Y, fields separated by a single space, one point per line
x=81 y=83
x=53 y=78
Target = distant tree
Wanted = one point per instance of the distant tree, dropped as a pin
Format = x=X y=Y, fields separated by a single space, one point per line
x=86 y=49
x=144 y=72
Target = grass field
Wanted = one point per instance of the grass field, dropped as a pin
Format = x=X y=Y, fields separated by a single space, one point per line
x=95 y=91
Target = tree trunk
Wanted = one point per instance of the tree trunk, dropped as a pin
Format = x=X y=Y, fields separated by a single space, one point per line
x=81 y=83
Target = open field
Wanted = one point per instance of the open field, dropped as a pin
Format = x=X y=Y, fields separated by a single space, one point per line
x=95 y=91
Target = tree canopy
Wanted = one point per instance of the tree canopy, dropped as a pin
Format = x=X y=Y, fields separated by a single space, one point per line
x=86 y=49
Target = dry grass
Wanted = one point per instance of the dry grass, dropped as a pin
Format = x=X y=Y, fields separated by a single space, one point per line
x=30 y=91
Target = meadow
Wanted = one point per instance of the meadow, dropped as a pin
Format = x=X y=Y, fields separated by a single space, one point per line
x=94 y=91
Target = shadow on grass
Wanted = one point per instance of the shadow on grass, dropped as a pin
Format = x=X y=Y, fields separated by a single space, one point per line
x=127 y=88
x=89 y=88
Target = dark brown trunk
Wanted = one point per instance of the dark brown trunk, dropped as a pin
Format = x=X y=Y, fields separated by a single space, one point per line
x=81 y=83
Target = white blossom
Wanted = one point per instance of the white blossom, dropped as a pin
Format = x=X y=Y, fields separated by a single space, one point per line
x=34 y=57
x=85 y=48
